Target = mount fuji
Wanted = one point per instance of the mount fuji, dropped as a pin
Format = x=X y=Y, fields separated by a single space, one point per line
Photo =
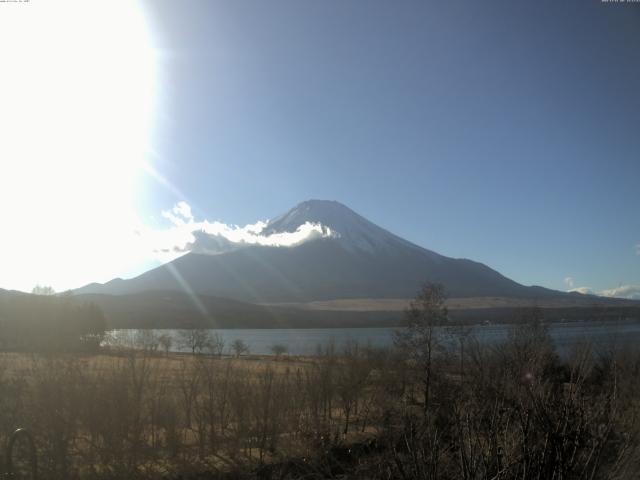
x=353 y=259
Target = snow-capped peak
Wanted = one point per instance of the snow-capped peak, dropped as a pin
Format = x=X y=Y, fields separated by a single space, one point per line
x=351 y=230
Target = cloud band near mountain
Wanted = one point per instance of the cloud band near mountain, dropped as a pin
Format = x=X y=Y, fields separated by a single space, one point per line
x=630 y=292
x=188 y=235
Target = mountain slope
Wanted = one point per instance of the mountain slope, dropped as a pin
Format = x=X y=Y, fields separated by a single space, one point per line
x=162 y=309
x=358 y=260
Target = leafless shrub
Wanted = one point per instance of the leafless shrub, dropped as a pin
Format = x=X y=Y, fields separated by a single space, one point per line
x=278 y=349
x=195 y=340
x=239 y=347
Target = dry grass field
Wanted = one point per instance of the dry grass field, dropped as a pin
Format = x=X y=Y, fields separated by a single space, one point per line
x=471 y=412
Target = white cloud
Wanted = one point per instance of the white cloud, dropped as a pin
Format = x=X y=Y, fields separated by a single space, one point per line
x=582 y=290
x=569 y=282
x=631 y=292
x=188 y=235
x=180 y=214
x=638 y=249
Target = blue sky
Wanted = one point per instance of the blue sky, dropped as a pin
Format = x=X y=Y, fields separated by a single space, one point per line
x=506 y=132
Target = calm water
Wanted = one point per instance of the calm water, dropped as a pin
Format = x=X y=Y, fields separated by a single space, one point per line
x=604 y=335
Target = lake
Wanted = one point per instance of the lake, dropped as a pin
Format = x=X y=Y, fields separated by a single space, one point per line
x=603 y=335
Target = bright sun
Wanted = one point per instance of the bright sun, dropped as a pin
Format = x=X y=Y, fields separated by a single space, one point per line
x=77 y=90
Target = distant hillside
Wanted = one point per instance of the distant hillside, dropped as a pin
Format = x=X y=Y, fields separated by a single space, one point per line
x=169 y=309
x=162 y=309
x=49 y=322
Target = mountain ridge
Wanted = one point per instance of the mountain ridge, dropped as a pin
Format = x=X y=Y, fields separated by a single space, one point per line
x=354 y=231
x=357 y=259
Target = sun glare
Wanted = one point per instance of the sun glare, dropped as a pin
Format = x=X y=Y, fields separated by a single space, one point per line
x=76 y=105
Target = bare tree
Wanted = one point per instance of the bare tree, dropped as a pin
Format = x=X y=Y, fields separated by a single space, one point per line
x=352 y=377
x=166 y=342
x=419 y=338
x=239 y=347
x=43 y=290
x=196 y=339
x=278 y=349
x=147 y=340
x=216 y=344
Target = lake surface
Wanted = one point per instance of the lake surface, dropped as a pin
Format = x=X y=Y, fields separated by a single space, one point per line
x=603 y=335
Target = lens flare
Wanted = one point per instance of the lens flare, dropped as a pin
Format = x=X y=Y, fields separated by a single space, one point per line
x=77 y=101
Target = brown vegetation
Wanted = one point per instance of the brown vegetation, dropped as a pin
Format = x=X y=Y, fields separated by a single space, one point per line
x=510 y=412
x=434 y=407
